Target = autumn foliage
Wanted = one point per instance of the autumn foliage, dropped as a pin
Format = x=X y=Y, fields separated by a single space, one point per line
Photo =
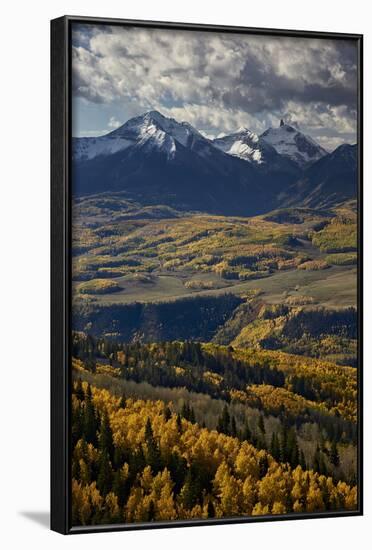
x=139 y=461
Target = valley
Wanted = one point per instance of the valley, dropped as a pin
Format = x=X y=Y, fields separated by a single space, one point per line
x=215 y=331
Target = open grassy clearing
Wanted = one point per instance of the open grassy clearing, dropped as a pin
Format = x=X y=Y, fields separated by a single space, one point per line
x=333 y=287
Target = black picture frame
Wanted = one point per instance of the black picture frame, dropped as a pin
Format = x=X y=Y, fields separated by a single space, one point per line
x=61 y=272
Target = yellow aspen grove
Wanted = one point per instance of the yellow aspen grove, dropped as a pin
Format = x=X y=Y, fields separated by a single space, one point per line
x=86 y=501
x=192 y=472
x=275 y=486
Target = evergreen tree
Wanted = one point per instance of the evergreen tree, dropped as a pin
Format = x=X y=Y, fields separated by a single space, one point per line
x=137 y=462
x=246 y=435
x=148 y=430
x=90 y=418
x=151 y=511
x=77 y=425
x=153 y=456
x=233 y=427
x=123 y=402
x=177 y=466
x=211 y=512
x=303 y=460
x=292 y=449
x=275 y=447
x=319 y=463
x=106 y=443
x=120 y=487
x=119 y=457
x=261 y=424
x=323 y=469
x=104 y=478
x=79 y=392
x=316 y=459
x=90 y=365
x=263 y=465
x=334 y=455
x=179 y=423
x=223 y=423
x=283 y=443
x=167 y=414
x=189 y=491
x=185 y=411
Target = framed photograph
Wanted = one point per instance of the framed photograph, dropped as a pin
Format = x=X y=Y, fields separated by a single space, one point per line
x=206 y=275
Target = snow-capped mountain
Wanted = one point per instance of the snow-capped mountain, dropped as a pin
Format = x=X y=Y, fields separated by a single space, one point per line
x=161 y=161
x=279 y=170
x=293 y=144
x=243 y=144
x=153 y=131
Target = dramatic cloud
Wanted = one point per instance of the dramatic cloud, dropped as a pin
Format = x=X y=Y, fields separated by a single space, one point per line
x=113 y=123
x=217 y=82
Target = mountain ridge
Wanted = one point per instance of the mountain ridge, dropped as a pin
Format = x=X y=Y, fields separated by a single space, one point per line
x=157 y=159
x=293 y=144
x=328 y=182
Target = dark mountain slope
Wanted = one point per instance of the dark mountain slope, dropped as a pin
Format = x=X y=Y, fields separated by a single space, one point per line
x=330 y=181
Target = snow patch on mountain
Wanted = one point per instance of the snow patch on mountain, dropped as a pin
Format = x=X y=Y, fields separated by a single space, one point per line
x=89 y=148
x=243 y=144
x=295 y=145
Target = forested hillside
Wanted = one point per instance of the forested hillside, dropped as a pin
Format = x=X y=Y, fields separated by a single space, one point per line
x=137 y=460
x=183 y=429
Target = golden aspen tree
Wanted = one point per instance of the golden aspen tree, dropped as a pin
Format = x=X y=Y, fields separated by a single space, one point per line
x=163 y=492
x=314 y=498
x=260 y=509
x=112 y=509
x=86 y=501
x=278 y=508
x=275 y=486
x=133 y=505
x=298 y=506
x=249 y=495
x=246 y=462
x=85 y=473
x=351 y=499
x=228 y=490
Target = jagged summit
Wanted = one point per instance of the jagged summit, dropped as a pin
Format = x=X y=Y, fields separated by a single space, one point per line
x=295 y=145
x=157 y=119
x=159 y=160
x=243 y=144
x=151 y=129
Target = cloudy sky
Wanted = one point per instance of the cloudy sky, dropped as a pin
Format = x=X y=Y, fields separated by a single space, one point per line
x=216 y=82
